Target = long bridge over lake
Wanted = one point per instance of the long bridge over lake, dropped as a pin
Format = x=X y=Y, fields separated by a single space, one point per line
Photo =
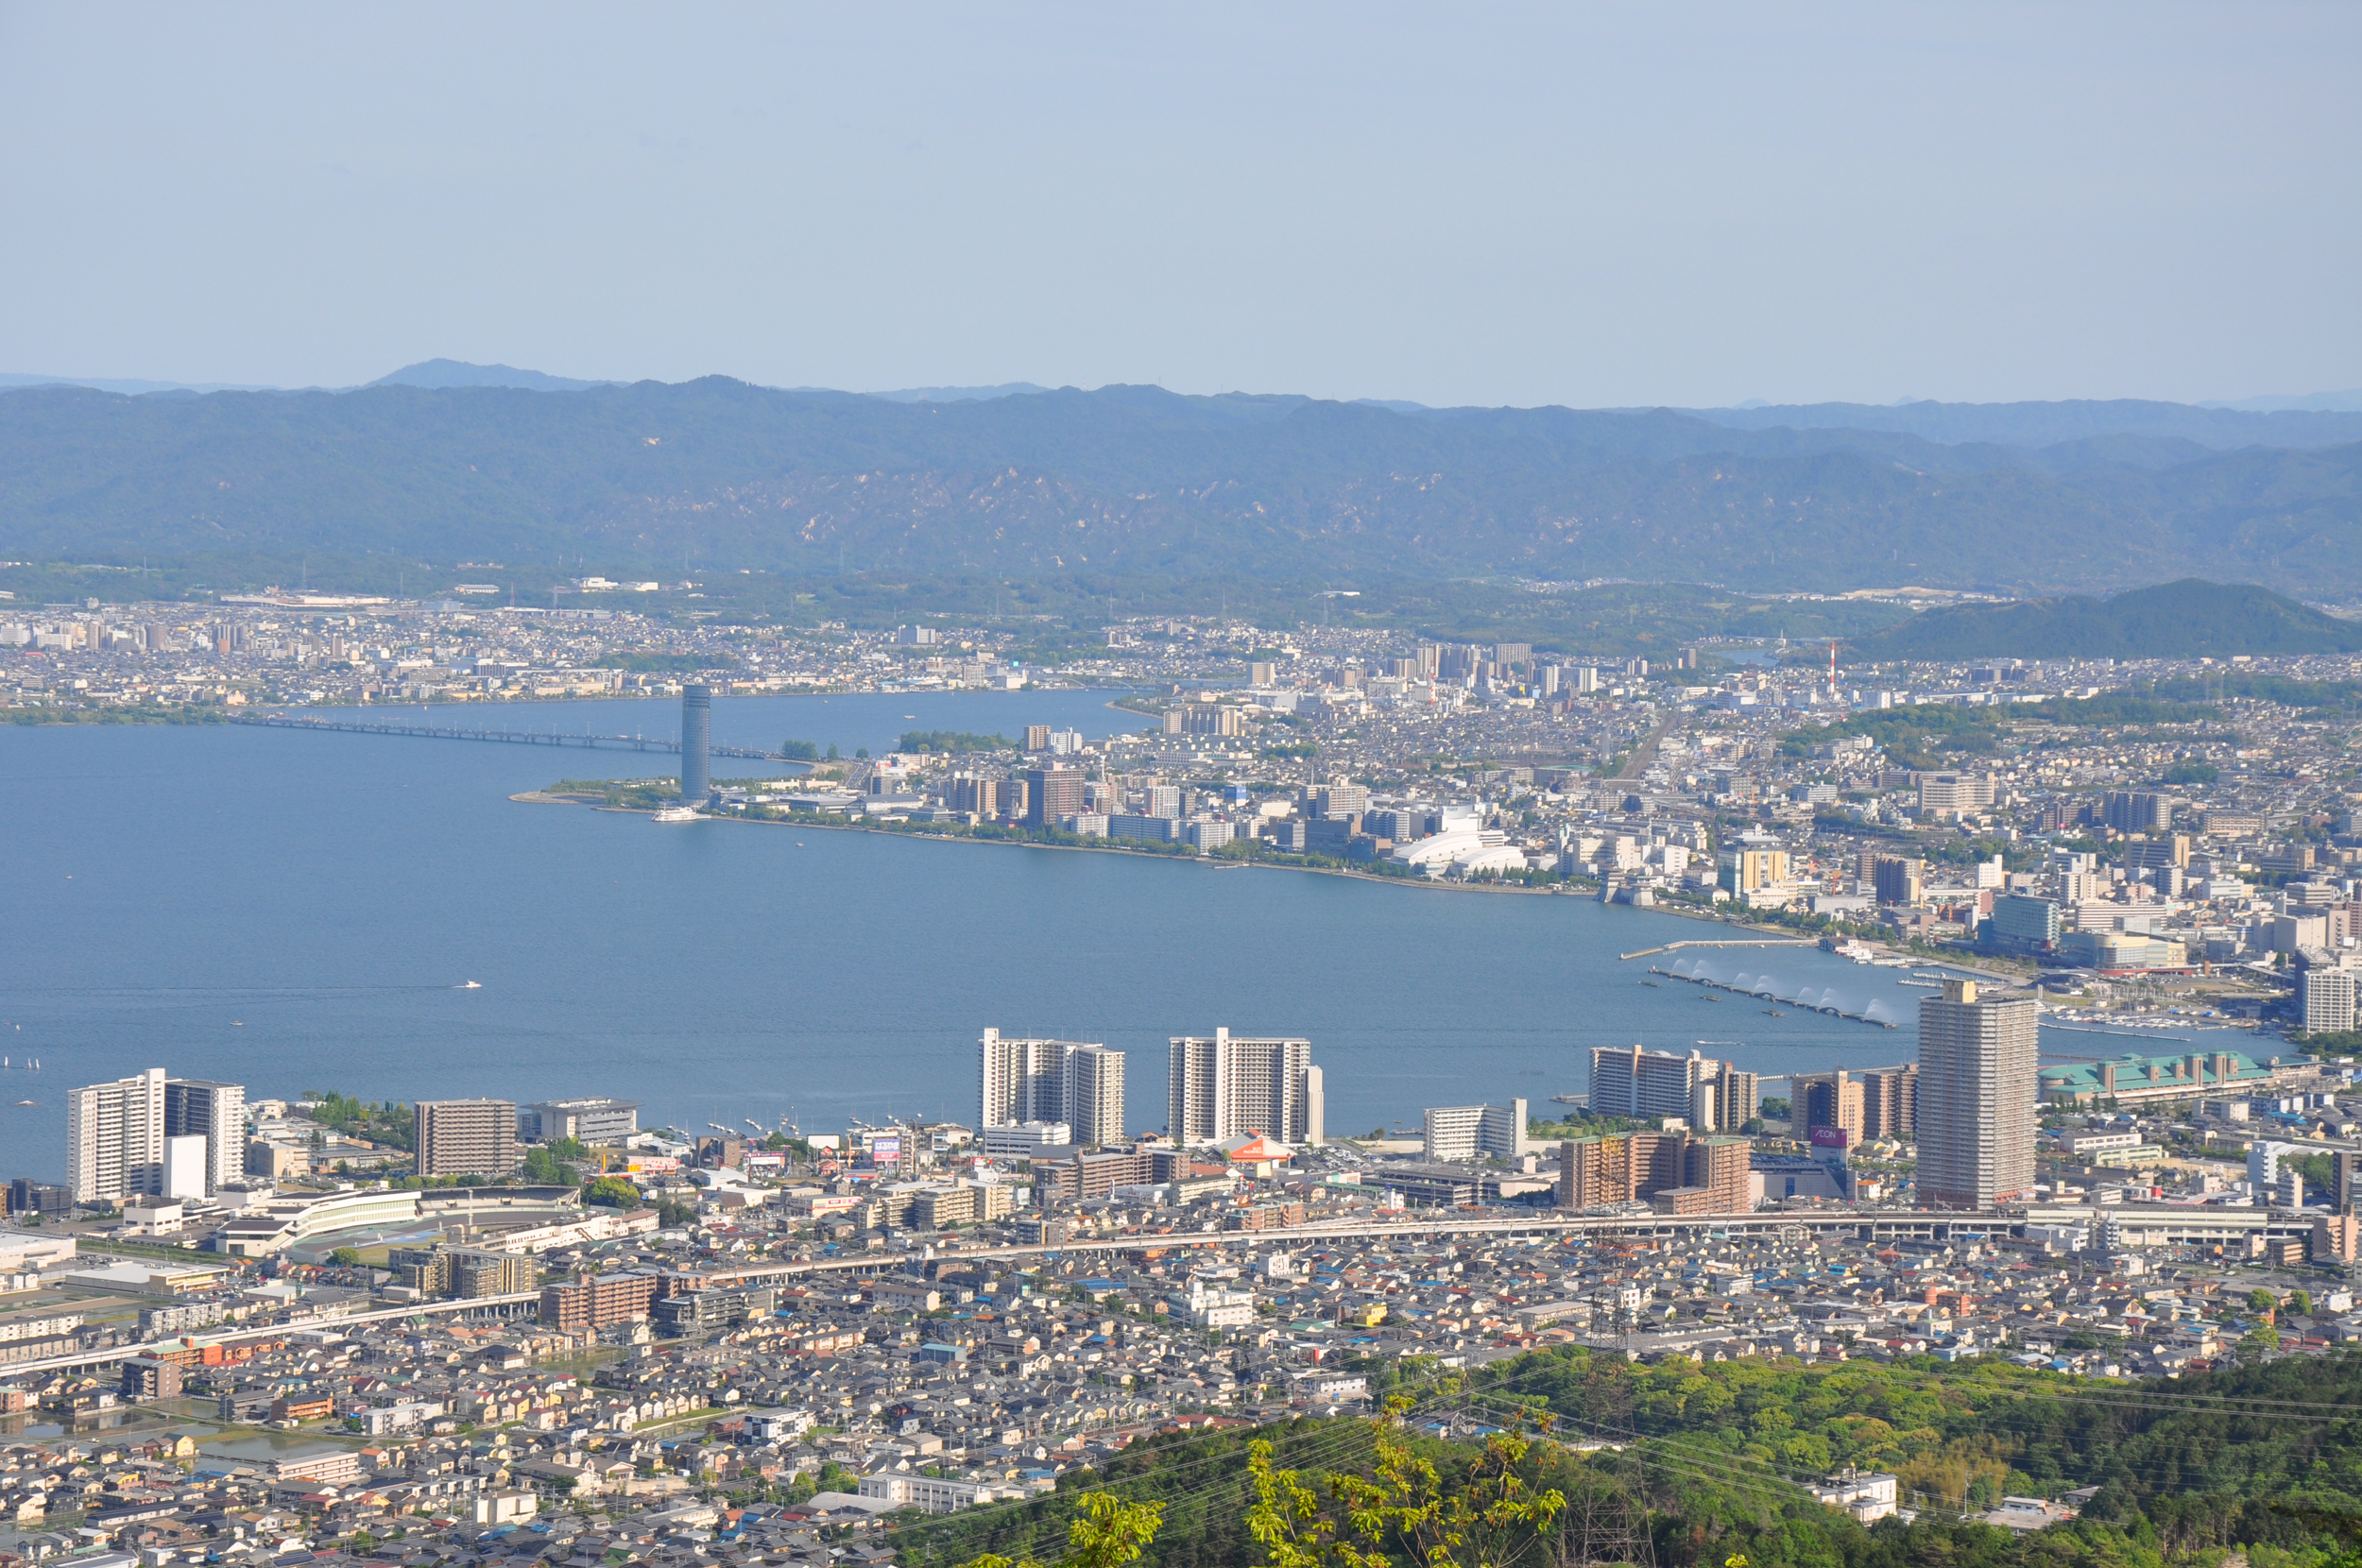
x=508 y=737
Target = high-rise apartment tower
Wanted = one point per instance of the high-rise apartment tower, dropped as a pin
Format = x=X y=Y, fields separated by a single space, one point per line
x=114 y=1139
x=200 y=1108
x=1890 y=1102
x=1050 y=1081
x=696 y=744
x=1831 y=1099
x=466 y=1137
x=1219 y=1086
x=1627 y=1080
x=1052 y=792
x=1976 y=1089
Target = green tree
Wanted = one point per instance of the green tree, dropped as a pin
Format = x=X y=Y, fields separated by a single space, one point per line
x=1111 y=1532
x=950 y=740
x=611 y=1191
x=556 y=1164
x=346 y=1257
x=1492 y=1518
x=1106 y=1532
x=2301 y=1302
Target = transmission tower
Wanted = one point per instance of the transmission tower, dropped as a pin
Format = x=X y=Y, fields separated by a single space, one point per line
x=1604 y=1524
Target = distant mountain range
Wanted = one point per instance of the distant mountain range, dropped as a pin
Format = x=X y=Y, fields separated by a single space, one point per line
x=2188 y=619
x=956 y=394
x=2330 y=402
x=129 y=388
x=452 y=372
x=434 y=464
x=2036 y=423
x=2291 y=422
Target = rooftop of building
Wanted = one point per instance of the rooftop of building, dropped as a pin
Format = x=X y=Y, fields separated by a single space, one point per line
x=2134 y=1065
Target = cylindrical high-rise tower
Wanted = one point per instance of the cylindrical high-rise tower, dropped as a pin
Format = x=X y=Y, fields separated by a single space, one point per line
x=696 y=740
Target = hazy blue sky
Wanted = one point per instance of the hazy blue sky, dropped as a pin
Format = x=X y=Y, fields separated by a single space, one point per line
x=1498 y=204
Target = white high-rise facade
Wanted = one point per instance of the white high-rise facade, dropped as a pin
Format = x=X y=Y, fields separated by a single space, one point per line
x=200 y=1108
x=1050 y=1081
x=2328 y=999
x=114 y=1139
x=1976 y=1089
x=1630 y=1081
x=184 y=1166
x=1474 y=1131
x=1225 y=1085
x=1093 y=1095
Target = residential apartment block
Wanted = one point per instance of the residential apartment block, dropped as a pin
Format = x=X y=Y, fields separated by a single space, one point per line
x=1476 y=1131
x=200 y=1108
x=1078 y=1083
x=590 y=1121
x=114 y=1139
x=1976 y=1089
x=466 y=1137
x=1674 y=1171
x=1631 y=1081
x=1222 y=1086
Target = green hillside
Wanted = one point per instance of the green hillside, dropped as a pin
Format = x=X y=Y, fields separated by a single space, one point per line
x=1705 y=1465
x=716 y=474
x=2189 y=619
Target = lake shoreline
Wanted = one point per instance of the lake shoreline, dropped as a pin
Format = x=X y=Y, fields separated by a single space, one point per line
x=542 y=797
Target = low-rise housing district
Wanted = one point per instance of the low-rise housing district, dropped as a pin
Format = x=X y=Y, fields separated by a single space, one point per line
x=251 y=1330
x=469 y=1328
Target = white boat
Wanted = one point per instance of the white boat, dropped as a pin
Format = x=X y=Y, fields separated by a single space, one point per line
x=677 y=813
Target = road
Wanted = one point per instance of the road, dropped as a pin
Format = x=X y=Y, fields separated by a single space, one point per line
x=1645 y=753
x=1863 y=1224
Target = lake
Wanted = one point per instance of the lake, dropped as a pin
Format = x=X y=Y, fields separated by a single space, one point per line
x=299 y=912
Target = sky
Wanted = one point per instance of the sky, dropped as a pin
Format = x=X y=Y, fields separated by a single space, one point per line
x=1596 y=205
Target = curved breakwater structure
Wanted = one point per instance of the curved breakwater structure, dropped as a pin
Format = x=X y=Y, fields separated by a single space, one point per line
x=1766 y=987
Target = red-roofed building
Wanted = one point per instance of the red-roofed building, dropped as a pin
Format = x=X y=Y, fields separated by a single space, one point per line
x=1256 y=1153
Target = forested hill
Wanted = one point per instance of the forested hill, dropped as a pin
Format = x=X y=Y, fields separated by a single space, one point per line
x=1136 y=479
x=1686 y=1464
x=2186 y=619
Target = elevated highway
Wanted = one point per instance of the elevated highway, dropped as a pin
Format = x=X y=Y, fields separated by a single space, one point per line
x=2133 y=1225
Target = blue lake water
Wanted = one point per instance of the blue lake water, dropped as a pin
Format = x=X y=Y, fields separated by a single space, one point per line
x=298 y=912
